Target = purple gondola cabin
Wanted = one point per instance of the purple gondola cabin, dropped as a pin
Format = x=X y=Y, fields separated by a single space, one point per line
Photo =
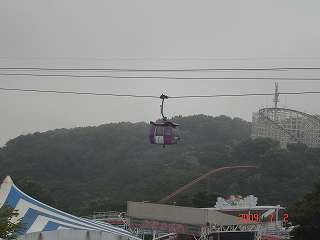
x=164 y=133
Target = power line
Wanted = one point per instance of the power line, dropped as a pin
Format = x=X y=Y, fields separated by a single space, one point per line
x=77 y=93
x=160 y=77
x=61 y=72
x=244 y=95
x=149 y=96
x=159 y=59
x=160 y=70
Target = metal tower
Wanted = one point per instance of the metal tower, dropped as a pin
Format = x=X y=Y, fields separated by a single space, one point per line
x=276 y=96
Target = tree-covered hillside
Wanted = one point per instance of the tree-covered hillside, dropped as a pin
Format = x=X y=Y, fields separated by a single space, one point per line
x=114 y=163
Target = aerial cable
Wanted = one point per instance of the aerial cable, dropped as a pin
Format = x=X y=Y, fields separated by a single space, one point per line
x=77 y=93
x=160 y=77
x=161 y=59
x=158 y=70
x=243 y=95
x=149 y=96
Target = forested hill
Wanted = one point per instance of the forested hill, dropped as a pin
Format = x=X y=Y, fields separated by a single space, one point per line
x=116 y=162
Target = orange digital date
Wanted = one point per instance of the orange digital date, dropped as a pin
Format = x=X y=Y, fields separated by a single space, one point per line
x=248 y=217
x=255 y=218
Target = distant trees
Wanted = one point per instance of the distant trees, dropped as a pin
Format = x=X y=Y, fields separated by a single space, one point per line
x=79 y=168
x=101 y=205
x=35 y=190
x=8 y=222
x=203 y=199
x=250 y=150
x=305 y=212
x=200 y=199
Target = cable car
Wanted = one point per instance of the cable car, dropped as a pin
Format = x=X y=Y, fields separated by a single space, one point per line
x=165 y=132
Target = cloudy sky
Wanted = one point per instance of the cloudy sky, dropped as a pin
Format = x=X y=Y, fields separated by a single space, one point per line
x=137 y=50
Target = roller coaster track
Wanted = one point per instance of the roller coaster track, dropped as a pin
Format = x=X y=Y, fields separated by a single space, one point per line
x=200 y=178
x=286 y=126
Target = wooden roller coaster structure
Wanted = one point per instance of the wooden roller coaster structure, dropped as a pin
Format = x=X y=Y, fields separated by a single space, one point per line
x=286 y=126
x=200 y=178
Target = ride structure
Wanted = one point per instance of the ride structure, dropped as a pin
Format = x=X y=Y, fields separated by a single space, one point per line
x=164 y=132
x=200 y=178
x=286 y=125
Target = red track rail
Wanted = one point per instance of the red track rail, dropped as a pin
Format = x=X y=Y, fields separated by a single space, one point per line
x=200 y=178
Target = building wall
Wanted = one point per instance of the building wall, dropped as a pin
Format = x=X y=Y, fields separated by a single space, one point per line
x=178 y=214
x=69 y=234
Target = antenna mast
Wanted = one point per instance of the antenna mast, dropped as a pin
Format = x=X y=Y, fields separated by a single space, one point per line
x=276 y=96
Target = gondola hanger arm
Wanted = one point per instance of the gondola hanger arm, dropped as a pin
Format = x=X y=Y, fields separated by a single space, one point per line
x=163 y=97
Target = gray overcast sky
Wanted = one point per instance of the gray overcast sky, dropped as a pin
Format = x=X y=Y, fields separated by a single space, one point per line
x=146 y=35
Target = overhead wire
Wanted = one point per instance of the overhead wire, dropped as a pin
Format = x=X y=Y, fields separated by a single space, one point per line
x=51 y=72
x=150 y=96
x=77 y=93
x=159 y=77
x=61 y=72
x=159 y=59
x=159 y=70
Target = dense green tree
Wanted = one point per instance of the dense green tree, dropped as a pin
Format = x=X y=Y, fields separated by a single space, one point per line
x=10 y=224
x=203 y=199
x=298 y=148
x=250 y=150
x=35 y=190
x=101 y=205
x=183 y=200
x=305 y=212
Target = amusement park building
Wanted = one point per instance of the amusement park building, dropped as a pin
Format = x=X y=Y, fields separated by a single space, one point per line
x=148 y=220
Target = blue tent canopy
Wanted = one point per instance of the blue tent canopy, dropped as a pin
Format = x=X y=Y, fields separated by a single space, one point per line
x=40 y=217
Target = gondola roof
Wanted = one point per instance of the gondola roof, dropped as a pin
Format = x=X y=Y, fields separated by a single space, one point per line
x=166 y=123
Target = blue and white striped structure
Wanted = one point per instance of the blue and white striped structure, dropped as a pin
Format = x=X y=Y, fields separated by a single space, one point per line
x=40 y=217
